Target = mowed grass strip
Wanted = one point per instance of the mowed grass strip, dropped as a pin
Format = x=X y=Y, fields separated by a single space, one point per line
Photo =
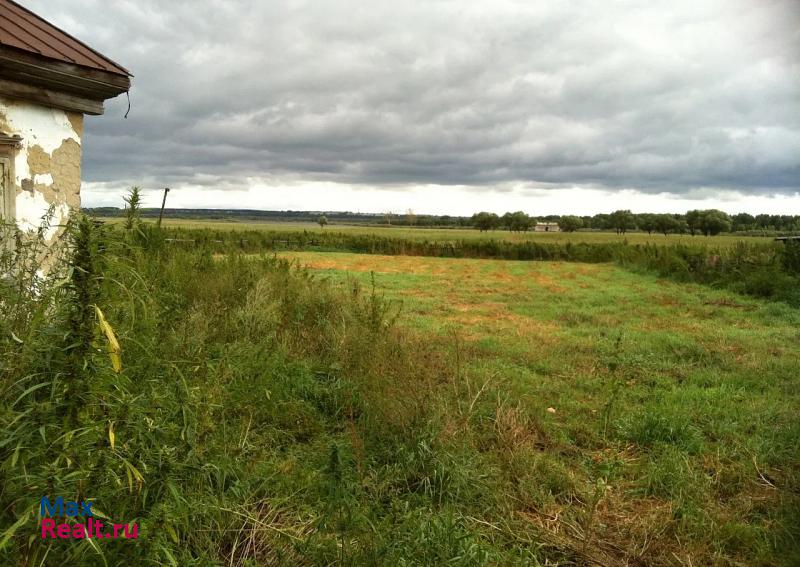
x=668 y=410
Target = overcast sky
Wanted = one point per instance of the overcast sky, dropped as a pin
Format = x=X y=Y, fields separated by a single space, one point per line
x=447 y=106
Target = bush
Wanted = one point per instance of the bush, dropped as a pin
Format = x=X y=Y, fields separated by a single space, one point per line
x=791 y=257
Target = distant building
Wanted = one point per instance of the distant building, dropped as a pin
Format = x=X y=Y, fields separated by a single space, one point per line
x=48 y=81
x=546 y=227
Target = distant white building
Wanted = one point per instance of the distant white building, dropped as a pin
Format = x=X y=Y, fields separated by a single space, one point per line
x=546 y=227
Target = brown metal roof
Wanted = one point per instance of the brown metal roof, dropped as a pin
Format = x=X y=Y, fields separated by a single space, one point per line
x=22 y=29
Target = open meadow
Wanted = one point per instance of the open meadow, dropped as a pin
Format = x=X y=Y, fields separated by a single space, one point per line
x=666 y=412
x=246 y=407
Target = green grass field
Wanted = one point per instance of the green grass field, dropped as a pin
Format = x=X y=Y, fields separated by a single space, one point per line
x=449 y=235
x=669 y=410
x=331 y=408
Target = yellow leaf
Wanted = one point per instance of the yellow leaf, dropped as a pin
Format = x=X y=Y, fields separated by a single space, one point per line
x=111 y=436
x=99 y=513
x=133 y=474
x=114 y=350
x=130 y=476
x=172 y=533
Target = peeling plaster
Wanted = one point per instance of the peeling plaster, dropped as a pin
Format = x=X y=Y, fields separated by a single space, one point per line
x=43 y=179
x=38 y=161
x=47 y=167
x=32 y=207
x=76 y=119
x=38 y=125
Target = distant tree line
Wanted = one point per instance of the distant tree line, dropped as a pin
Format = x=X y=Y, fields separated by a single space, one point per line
x=409 y=218
x=707 y=222
x=696 y=222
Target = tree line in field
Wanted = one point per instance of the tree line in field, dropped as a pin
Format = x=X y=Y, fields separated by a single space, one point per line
x=707 y=222
x=710 y=222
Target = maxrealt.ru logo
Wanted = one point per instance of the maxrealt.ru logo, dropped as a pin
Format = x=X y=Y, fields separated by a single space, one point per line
x=92 y=528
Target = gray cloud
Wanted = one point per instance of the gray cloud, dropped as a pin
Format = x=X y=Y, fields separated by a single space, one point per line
x=653 y=95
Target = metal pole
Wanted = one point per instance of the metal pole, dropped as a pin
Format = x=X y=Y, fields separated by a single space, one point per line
x=163 y=203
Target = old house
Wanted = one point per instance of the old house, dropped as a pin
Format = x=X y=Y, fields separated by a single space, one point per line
x=49 y=81
x=546 y=227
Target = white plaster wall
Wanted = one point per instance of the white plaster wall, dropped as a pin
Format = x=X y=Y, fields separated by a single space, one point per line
x=32 y=206
x=47 y=128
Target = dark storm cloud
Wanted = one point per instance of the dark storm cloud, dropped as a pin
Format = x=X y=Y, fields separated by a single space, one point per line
x=657 y=96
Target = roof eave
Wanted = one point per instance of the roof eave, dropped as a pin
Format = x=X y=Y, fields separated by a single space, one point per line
x=115 y=66
x=56 y=83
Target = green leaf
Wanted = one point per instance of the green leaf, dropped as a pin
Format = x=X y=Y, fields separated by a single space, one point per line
x=9 y=533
